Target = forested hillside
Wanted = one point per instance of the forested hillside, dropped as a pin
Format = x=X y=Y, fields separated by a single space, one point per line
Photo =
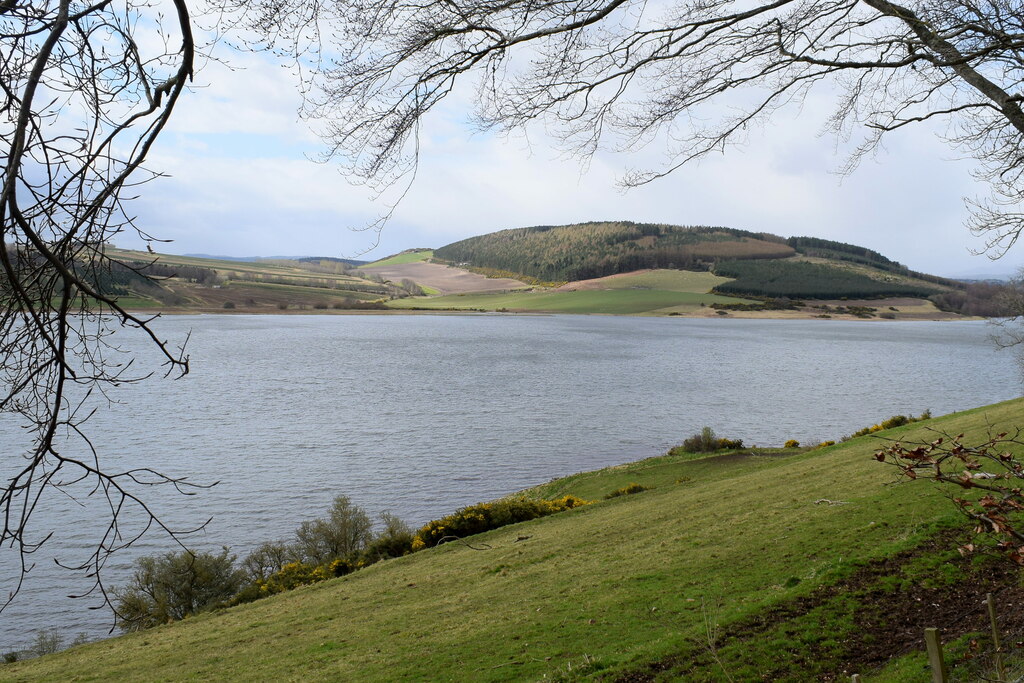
x=805 y=280
x=760 y=264
x=589 y=250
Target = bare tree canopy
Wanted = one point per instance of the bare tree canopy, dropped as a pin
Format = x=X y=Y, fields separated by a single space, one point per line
x=86 y=89
x=697 y=73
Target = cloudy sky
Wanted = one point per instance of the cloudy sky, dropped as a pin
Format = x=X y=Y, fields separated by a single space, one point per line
x=241 y=182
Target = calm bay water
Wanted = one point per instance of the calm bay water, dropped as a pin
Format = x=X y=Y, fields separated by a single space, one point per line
x=422 y=414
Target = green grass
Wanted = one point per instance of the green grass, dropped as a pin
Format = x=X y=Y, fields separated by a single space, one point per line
x=298 y=291
x=130 y=302
x=652 y=292
x=617 y=301
x=658 y=472
x=697 y=282
x=596 y=591
x=404 y=257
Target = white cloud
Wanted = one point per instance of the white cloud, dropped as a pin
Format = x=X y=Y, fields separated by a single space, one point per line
x=242 y=184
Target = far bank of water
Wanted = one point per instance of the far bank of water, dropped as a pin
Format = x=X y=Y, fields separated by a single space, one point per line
x=422 y=414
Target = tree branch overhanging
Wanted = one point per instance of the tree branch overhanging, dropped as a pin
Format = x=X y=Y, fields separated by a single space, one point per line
x=82 y=106
x=619 y=73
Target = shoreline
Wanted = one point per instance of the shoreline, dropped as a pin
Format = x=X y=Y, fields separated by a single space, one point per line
x=700 y=313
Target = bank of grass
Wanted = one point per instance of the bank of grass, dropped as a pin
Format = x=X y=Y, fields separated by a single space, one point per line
x=622 y=586
x=404 y=257
x=615 y=302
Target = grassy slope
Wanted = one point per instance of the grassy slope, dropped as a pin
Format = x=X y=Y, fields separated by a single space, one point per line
x=635 y=293
x=607 y=587
x=404 y=257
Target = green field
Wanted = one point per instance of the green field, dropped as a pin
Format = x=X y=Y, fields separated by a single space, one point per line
x=404 y=257
x=708 y=576
x=658 y=291
x=613 y=302
x=297 y=291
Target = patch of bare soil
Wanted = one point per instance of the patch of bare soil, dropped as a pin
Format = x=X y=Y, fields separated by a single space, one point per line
x=445 y=279
x=890 y=623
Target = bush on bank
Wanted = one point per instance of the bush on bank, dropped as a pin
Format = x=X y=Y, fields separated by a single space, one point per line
x=476 y=519
x=172 y=586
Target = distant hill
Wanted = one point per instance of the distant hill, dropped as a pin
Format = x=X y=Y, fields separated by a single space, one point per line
x=300 y=259
x=617 y=267
x=589 y=250
x=252 y=285
x=759 y=264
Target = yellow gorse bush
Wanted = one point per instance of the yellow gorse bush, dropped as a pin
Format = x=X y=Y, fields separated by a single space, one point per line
x=476 y=519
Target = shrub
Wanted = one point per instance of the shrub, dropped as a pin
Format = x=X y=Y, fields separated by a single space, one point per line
x=476 y=519
x=320 y=306
x=394 y=540
x=345 y=532
x=268 y=558
x=792 y=443
x=704 y=441
x=894 y=421
x=825 y=444
x=174 y=585
x=324 y=548
x=229 y=304
x=293 y=575
x=46 y=642
x=627 y=490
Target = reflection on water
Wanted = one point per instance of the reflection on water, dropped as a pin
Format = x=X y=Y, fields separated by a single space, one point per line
x=421 y=414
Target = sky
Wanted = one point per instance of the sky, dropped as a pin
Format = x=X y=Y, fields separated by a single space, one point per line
x=241 y=179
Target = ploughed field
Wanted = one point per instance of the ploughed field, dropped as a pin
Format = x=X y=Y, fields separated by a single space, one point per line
x=443 y=279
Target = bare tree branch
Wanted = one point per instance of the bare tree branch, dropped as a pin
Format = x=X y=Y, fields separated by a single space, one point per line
x=618 y=74
x=81 y=106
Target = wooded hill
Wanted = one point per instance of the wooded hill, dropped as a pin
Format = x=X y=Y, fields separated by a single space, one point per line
x=589 y=250
x=760 y=264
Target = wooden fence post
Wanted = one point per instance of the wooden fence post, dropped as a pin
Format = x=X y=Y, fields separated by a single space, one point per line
x=998 y=654
x=935 y=660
